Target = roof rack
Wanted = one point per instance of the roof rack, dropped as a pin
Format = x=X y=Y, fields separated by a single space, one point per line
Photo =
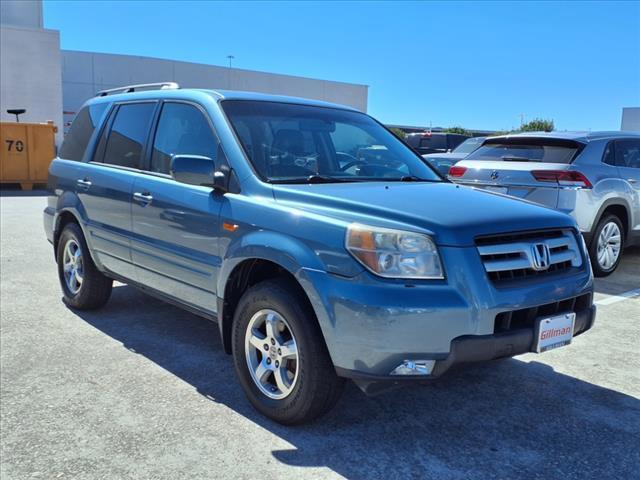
x=137 y=88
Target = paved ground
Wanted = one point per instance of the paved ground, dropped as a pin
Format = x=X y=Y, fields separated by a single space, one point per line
x=143 y=390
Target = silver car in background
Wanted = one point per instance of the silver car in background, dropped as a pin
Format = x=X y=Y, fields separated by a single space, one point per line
x=594 y=177
x=444 y=161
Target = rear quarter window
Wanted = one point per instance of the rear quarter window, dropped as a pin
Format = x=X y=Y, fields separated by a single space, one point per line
x=628 y=153
x=76 y=141
x=609 y=156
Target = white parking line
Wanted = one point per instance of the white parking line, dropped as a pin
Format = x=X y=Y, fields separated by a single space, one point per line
x=619 y=298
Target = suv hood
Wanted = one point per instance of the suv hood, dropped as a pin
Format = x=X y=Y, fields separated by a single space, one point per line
x=453 y=214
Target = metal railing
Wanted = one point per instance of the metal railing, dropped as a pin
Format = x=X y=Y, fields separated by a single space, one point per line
x=138 y=88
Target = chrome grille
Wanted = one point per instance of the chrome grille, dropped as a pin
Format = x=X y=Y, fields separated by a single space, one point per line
x=528 y=254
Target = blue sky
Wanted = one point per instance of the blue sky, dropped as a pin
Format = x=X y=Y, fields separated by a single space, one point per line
x=478 y=65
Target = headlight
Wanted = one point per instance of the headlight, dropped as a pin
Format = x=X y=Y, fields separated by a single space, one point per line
x=394 y=253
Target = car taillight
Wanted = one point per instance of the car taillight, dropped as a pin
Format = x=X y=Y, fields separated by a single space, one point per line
x=562 y=177
x=457 y=171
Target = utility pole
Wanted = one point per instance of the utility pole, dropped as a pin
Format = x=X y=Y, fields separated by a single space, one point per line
x=521 y=119
x=230 y=57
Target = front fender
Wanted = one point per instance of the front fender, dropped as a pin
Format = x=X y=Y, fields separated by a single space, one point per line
x=283 y=250
x=287 y=252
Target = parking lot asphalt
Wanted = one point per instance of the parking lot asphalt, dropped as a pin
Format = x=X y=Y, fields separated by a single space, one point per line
x=141 y=389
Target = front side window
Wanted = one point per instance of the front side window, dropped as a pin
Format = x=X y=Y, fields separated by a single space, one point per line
x=182 y=129
x=76 y=141
x=628 y=153
x=525 y=151
x=288 y=143
x=128 y=134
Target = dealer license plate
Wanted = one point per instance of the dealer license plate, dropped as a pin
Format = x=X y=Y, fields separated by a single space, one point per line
x=554 y=332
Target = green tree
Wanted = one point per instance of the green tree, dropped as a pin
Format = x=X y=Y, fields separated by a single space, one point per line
x=458 y=129
x=538 y=125
x=399 y=133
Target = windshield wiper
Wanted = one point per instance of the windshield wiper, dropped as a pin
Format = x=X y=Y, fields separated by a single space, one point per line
x=406 y=178
x=413 y=178
x=315 y=178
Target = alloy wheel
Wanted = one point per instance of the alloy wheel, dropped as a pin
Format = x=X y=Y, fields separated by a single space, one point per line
x=72 y=266
x=609 y=245
x=272 y=354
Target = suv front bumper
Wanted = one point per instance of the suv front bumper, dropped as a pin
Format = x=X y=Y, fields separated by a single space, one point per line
x=469 y=349
x=372 y=325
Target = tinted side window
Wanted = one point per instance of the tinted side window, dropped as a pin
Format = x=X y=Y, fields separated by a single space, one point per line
x=609 y=156
x=434 y=141
x=128 y=134
x=182 y=129
x=628 y=153
x=83 y=126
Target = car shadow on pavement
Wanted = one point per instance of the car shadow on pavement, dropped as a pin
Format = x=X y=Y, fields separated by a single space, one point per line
x=625 y=278
x=499 y=419
x=15 y=191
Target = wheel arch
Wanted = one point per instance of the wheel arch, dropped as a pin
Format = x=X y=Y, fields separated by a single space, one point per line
x=617 y=207
x=253 y=260
x=62 y=218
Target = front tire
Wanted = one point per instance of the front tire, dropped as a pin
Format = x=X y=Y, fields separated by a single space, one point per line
x=83 y=286
x=280 y=356
x=606 y=246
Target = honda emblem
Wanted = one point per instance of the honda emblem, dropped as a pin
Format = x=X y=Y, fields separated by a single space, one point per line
x=540 y=257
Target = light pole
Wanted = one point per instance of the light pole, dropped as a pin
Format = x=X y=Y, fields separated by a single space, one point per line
x=230 y=57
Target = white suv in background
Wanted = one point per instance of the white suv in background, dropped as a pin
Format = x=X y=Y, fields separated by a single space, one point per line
x=594 y=177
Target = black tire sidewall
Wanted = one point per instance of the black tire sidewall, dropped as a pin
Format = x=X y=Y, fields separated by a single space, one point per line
x=70 y=232
x=95 y=288
x=271 y=295
x=598 y=271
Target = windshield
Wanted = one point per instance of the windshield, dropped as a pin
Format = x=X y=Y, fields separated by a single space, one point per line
x=469 y=145
x=289 y=143
x=524 y=153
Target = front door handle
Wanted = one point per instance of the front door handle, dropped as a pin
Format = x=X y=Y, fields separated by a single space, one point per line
x=84 y=184
x=631 y=180
x=144 y=198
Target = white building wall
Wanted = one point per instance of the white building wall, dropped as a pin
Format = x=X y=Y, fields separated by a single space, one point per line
x=30 y=74
x=23 y=13
x=85 y=73
x=630 y=119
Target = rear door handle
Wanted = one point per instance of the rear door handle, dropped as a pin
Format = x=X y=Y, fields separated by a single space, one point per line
x=144 y=198
x=84 y=184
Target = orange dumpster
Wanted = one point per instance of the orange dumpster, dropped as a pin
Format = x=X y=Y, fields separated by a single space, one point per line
x=26 y=150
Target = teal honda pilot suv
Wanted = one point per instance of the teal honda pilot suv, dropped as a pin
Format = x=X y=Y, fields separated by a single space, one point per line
x=323 y=246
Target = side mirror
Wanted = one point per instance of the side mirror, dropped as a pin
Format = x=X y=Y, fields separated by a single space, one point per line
x=196 y=170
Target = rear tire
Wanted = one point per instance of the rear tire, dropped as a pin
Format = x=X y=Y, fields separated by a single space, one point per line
x=310 y=386
x=605 y=250
x=83 y=286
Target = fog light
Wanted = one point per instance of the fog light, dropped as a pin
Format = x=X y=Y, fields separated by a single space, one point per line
x=414 y=367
